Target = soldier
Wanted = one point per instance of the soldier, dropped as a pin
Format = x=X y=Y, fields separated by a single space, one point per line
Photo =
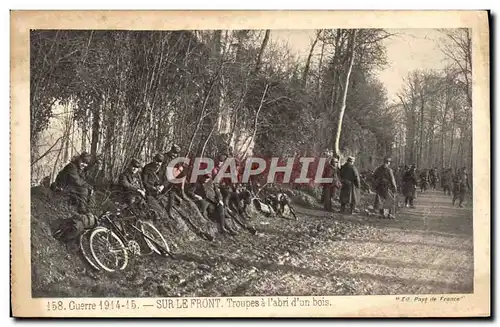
x=460 y=186
x=446 y=181
x=71 y=180
x=173 y=191
x=329 y=190
x=385 y=183
x=209 y=201
x=433 y=176
x=150 y=178
x=424 y=180
x=349 y=192
x=130 y=183
x=410 y=186
x=167 y=158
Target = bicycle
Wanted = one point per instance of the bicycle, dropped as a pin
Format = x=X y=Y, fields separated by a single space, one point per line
x=116 y=237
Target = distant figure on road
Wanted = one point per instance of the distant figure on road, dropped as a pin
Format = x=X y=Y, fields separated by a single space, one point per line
x=433 y=176
x=460 y=186
x=424 y=180
x=446 y=180
x=385 y=186
x=349 y=193
x=410 y=186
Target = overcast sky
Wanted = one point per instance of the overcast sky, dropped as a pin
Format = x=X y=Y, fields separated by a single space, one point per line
x=410 y=49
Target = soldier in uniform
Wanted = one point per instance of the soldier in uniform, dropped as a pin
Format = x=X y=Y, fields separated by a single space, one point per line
x=410 y=186
x=446 y=181
x=329 y=190
x=130 y=183
x=460 y=186
x=424 y=180
x=385 y=183
x=71 y=179
x=349 y=192
x=173 y=191
x=433 y=176
x=150 y=178
x=210 y=201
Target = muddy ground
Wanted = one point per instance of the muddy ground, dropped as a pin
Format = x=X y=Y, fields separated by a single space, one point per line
x=428 y=249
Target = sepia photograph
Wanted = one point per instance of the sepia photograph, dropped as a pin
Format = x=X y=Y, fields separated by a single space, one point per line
x=251 y=167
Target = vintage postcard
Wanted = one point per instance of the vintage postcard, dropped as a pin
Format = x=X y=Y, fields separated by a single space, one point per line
x=250 y=163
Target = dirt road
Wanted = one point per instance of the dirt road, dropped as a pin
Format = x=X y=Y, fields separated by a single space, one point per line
x=428 y=249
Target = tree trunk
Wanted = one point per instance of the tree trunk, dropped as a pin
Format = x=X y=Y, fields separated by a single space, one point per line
x=96 y=117
x=320 y=65
x=258 y=63
x=84 y=133
x=308 y=62
x=421 y=140
x=344 y=98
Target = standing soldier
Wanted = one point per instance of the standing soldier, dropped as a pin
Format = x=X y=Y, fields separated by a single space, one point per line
x=424 y=180
x=446 y=180
x=433 y=177
x=329 y=190
x=71 y=179
x=460 y=186
x=130 y=184
x=385 y=187
x=349 y=192
x=410 y=186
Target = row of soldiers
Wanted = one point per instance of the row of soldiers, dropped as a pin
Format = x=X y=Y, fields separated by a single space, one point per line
x=456 y=184
x=387 y=183
x=348 y=180
x=151 y=185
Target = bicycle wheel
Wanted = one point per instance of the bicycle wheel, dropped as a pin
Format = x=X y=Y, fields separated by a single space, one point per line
x=158 y=240
x=108 y=250
x=86 y=251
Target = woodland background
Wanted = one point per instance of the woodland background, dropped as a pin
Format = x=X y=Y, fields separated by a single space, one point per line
x=124 y=94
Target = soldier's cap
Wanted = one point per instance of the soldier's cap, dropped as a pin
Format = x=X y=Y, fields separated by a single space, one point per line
x=134 y=163
x=175 y=148
x=159 y=157
x=85 y=157
x=388 y=158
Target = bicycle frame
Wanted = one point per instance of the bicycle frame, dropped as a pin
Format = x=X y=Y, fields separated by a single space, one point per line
x=121 y=232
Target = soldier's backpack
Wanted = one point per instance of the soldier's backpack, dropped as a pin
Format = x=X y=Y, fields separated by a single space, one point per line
x=71 y=228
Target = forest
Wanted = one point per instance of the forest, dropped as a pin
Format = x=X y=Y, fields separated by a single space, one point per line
x=131 y=94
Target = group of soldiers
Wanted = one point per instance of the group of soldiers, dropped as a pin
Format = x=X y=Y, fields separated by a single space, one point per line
x=387 y=184
x=456 y=184
x=151 y=185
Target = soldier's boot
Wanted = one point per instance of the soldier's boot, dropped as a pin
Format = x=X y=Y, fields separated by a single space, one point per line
x=381 y=214
x=411 y=203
